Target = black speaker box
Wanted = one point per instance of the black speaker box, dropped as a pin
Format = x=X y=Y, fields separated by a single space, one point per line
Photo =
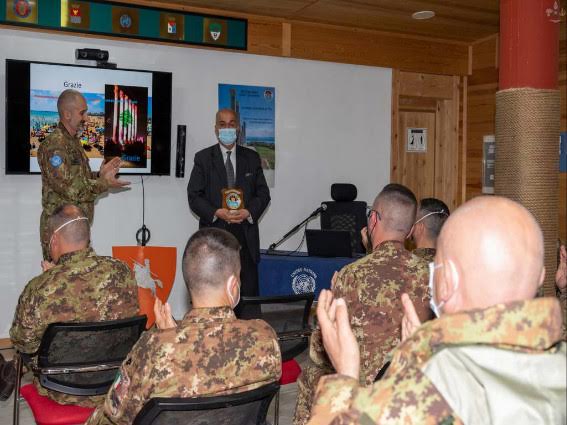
x=180 y=160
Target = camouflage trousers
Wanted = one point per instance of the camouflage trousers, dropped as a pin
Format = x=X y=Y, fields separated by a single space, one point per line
x=306 y=386
x=85 y=401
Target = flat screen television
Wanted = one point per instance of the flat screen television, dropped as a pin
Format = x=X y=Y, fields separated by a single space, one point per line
x=129 y=114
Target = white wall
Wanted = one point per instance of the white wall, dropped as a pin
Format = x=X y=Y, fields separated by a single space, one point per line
x=332 y=125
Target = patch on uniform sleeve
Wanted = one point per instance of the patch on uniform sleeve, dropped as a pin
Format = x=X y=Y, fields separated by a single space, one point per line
x=118 y=392
x=56 y=161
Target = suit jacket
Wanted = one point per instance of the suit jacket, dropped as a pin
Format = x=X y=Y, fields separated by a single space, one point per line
x=208 y=178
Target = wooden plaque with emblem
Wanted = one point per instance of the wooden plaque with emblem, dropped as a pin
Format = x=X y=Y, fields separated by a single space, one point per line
x=232 y=199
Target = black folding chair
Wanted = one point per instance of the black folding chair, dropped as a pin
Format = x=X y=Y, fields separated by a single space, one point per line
x=289 y=316
x=246 y=408
x=79 y=358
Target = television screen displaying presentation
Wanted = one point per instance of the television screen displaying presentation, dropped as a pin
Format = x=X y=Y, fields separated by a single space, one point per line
x=129 y=115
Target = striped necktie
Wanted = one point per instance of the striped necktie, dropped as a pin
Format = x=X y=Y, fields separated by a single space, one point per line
x=229 y=170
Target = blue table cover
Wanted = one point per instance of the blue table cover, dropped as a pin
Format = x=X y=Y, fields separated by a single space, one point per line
x=281 y=274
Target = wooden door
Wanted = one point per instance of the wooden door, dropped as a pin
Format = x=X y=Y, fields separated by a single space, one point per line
x=431 y=102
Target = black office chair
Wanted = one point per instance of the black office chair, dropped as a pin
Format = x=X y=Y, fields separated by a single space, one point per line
x=246 y=408
x=289 y=316
x=344 y=213
x=79 y=358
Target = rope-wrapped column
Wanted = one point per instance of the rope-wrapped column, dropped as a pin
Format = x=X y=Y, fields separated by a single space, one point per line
x=527 y=160
x=528 y=116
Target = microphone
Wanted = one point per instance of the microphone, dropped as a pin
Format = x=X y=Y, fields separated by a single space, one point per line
x=319 y=210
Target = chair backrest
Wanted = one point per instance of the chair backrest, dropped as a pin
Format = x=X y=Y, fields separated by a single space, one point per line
x=287 y=314
x=83 y=358
x=245 y=408
x=344 y=213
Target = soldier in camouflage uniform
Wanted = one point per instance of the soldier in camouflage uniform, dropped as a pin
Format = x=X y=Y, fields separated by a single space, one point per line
x=65 y=172
x=494 y=356
x=80 y=287
x=431 y=215
x=210 y=352
x=372 y=287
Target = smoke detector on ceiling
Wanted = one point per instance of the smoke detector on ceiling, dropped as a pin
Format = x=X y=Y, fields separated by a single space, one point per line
x=423 y=14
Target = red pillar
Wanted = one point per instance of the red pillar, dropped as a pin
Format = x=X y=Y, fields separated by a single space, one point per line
x=528 y=116
x=529 y=43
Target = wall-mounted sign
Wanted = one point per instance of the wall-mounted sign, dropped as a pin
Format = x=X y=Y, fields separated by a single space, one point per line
x=101 y=17
x=416 y=140
x=172 y=26
x=75 y=14
x=215 y=31
x=125 y=20
x=488 y=158
x=256 y=108
x=21 y=11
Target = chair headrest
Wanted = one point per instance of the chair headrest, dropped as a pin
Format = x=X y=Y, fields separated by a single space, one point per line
x=343 y=192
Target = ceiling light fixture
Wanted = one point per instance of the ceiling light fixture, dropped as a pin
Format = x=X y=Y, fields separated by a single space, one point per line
x=423 y=14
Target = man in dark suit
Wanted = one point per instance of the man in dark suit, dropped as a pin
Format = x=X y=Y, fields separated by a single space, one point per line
x=227 y=165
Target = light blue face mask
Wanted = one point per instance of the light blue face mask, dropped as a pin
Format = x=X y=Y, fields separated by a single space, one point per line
x=227 y=136
x=434 y=307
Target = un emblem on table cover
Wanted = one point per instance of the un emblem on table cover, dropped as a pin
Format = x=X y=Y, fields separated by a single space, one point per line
x=303 y=280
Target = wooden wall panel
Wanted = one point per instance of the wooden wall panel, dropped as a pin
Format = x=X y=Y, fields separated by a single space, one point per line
x=343 y=44
x=463 y=125
x=336 y=44
x=427 y=85
x=265 y=38
x=481 y=108
x=447 y=148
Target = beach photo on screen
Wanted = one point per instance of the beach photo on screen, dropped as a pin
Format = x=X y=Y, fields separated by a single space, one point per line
x=119 y=112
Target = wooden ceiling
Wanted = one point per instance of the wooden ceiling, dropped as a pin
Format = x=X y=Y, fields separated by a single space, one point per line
x=458 y=20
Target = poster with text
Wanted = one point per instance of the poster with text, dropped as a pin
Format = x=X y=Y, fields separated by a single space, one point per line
x=256 y=107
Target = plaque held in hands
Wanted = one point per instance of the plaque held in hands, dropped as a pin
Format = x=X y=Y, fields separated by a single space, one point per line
x=232 y=199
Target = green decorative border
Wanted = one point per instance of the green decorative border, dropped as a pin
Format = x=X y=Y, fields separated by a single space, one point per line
x=49 y=17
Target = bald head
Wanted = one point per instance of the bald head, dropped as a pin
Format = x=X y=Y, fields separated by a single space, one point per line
x=491 y=250
x=224 y=117
x=67 y=100
x=72 y=108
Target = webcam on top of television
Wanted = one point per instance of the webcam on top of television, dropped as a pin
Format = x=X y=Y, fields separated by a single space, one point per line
x=97 y=55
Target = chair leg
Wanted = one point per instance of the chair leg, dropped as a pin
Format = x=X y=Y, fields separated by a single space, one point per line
x=277 y=409
x=18 y=365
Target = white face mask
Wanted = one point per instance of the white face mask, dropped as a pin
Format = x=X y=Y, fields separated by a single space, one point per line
x=60 y=227
x=233 y=304
x=410 y=234
x=436 y=308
